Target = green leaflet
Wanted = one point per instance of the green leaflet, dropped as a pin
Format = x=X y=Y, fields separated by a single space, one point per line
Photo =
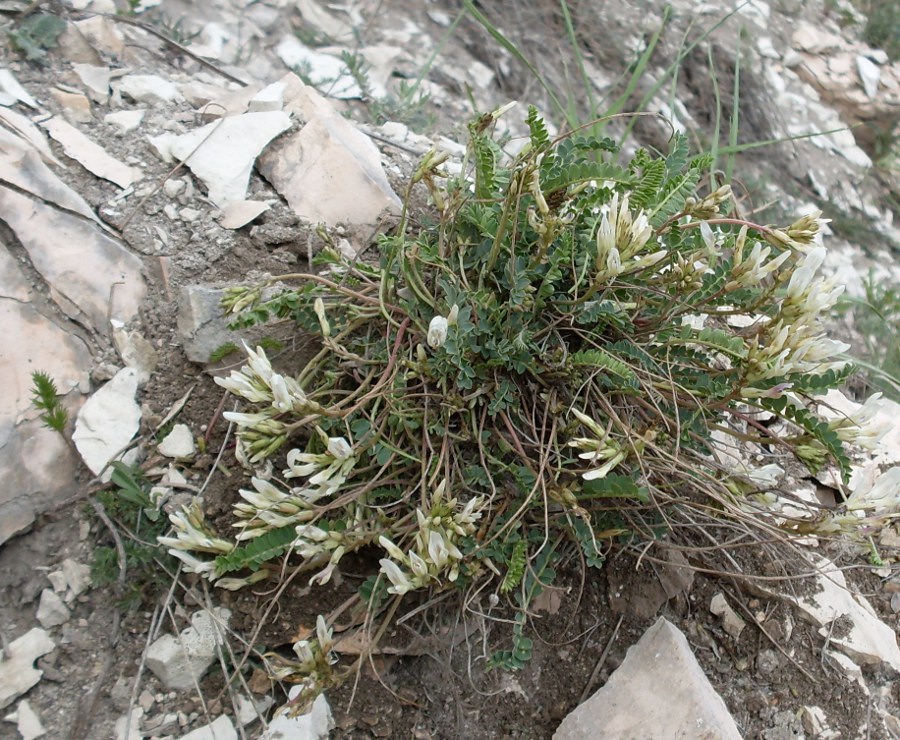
x=257 y=551
x=540 y=139
x=601 y=358
x=614 y=486
x=584 y=171
x=516 y=567
x=715 y=339
x=816 y=427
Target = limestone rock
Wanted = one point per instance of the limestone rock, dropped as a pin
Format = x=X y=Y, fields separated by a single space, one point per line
x=221 y=728
x=148 y=89
x=179 y=662
x=328 y=171
x=221 y=154
x=179 y=443
x=17 y=671
x=125 y=120
x=202 y=326
x=90 y=155
x=658 y=693
x=865 y=638
x=76 y=107
x=27 y=721
x=51 y=610
x=108 y=421
x=95 y=79
x=315 y=725
x=241 y=212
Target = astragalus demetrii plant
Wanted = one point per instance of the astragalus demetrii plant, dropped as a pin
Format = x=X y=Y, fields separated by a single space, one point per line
x=549 y=355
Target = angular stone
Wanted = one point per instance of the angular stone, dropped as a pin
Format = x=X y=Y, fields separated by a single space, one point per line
x=270 y=98
x=27 y=721
x=222 y=154
x=95 y=79
x=314 y=725
x=179 y=443
x=10 y=85
x=89 y=154
x=658 y=693
x=180 y=662
x=108 y=421
x=76 y=107
x=17 y=671
x=241 y=212
x=221 y=728
x=149 y=89
x=36 y=465
x=51 y=610
x=865 y=639
x=869 y=75
x=125 y=120
x=327 y=73
x=202 y=326
x=136 y=352
x=328 y=171
x=29 y=133
x=91 y=276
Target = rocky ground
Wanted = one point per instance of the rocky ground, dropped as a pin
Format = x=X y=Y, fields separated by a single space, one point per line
x=115 y=254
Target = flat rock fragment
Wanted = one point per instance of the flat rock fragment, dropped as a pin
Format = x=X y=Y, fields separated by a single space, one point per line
x=10 y=85
x=149 y=89
x=125 y=120
x=222 y=728
x=95 y=79
x=179 y=443
x=659 y=692
x=17 y=671
x=90 y=155
x=76 y=106
x=314 y=725
x=27 y=721
x=51 y=610
x=36 y=465
x=861 y=635
x=221 y=154
x=328 y=171
x=180 y=662
x=29 y=133
x=108 y=421
x=241 y=212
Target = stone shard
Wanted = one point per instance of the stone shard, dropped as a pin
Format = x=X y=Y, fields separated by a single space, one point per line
x=51 y=610
x=180 y=662
x=222 y=154
x=108 y=421
x=221 y=728
x=27 y=721
x=90 y=155
x=328 y=170
x=10 y=85
x=179 y=443
x=314 y=725
x=658 y=693
x=17 y=671
x=241 y=212
x=202 y=326
x=91 y=275
x=149 y=89
x=864 y=637
x=36 y=465
x=95 y=79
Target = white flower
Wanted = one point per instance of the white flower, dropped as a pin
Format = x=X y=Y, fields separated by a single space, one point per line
x=883 y=495
x=401 y=584
x=319 y=308
x=437 y=332
x=804 y=274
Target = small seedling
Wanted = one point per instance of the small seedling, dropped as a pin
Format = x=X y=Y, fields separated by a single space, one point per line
x=45 y=396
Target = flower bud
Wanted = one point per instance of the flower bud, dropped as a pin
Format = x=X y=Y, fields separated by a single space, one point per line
x=437 y=332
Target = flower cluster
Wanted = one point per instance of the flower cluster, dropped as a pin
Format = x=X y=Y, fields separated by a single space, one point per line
x=599 y=448
x=260 y=434
x=435 y=552
x=312 y=670
x=794 y=342
x=192 y=534
x=620 y=239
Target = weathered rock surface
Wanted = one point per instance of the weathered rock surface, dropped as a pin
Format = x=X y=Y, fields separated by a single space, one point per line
x=180 y=662
x=658 y=693
x=328 y=171
x=17 y=671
